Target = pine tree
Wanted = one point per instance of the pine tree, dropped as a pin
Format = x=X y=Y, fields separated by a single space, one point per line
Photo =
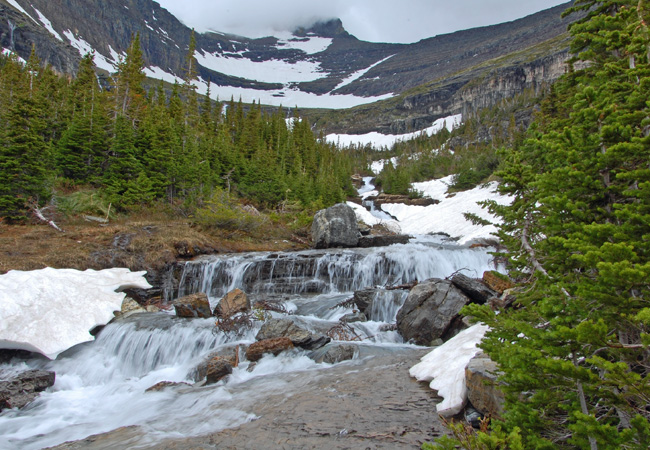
x=574 y=355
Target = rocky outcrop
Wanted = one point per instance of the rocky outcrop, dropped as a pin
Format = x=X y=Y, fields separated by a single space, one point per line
x=382 y=240
x=274 y=346
x=299 y=337
x=192 y=306
x=429 y=311
x=384 y=198
x=232 y=303
x=23 y=388
x=482 y=386
x=354 y=317
x=335 y=226
x=474 y=289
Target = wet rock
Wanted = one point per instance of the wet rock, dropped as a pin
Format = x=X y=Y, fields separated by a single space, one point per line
x=300 y=337
x=383 y=241
x=364 y=298
x=474 y=289
x=194 y=305
x=354 y=317
x=429 y=311
x=482 y=385
x=333 y=354
x=217 y=370
x=23 y=388
x=228 y=354
x=232 y=303
x=496 y=281
x=274 y=346
x=473 y=417
x=129 y=307
x=161 y=386
x=335 y=226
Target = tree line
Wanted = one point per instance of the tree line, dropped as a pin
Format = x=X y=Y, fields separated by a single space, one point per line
x=139 y=144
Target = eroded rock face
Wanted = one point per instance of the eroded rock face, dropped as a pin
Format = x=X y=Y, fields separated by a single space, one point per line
x=482 y=386
x=194 y=305
x=233 y=302
x=23 y=388
x=429 y=311
x=335 y=226
x=275 y=346
x=300 y=337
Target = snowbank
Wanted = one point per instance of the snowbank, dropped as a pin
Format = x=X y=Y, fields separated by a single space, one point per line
x=50 y=310
x=445 y=366
x=447 y=216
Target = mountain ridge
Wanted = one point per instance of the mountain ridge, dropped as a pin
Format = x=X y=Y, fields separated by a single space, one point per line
x=322 y=66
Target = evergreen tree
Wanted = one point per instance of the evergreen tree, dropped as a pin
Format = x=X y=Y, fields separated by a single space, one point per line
x=574 y=355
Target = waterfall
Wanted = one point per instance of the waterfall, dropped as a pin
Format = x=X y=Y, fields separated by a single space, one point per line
x=101 y=385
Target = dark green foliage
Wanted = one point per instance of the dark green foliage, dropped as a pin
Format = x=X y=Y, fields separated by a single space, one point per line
x=138 y=147
x=574 y=352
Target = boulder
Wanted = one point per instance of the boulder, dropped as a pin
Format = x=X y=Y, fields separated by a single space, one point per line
x=300 y=337
x=354 y=317
x=482 y=386
x=335 y=226
x=383 y=240
x=129 y=307
x=218 y=368
x=496 y=281
x=274 y=346
x=474 y=289
x=194 y=305
x=333 y=354
x=229 y=354
x=232 y=303
x=23 y=388
x=364 y=298
x=429 y=311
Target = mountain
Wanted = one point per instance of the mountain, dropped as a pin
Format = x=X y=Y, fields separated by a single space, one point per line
x=322 y=66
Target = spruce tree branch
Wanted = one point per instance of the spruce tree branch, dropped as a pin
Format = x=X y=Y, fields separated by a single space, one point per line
x=593 y=445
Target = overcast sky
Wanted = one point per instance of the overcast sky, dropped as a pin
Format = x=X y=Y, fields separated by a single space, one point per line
x=370 y=20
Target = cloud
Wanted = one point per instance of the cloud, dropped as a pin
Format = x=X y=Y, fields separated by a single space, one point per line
x=370 y=20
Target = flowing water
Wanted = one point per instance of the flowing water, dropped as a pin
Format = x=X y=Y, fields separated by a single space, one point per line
x=101 y=386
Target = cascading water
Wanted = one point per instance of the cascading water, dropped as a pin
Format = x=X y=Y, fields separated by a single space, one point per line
x=101 y=386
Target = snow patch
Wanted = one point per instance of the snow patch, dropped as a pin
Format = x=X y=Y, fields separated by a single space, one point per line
x=50 y=310
x=16 y=5
x=447 y=216
x=359 y=73
x=445 y=367
x=47 y=24
x=271 y=71
x=310 y=45
x=84 y=48
x=7 y=52
x=159 y=74
x=378 y=140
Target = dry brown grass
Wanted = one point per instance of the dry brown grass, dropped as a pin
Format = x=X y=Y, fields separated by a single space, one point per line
x=138 y=242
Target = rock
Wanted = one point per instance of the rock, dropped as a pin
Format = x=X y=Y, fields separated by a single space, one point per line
x=194 y=305
x=335 y=226
x=229 y=354
x=383 y=240
x=384 y=198
x=274 y=346
x=354 y=317
x=474 y=289
x=23 y=388
x=218 y=369
x=233 y=302
x=364 y=228
x=482 y=386
x=161 y=386
x=429 y=310
x=129 y=307
x=473 y=417
x=364 y=298
x=300 y=337
x=496 y=281
x=333 y=354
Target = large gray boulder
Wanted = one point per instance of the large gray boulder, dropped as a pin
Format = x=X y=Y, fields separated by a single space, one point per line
x=276 y=328
x=429 y=311
x=483 y=389
x=335 y=226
